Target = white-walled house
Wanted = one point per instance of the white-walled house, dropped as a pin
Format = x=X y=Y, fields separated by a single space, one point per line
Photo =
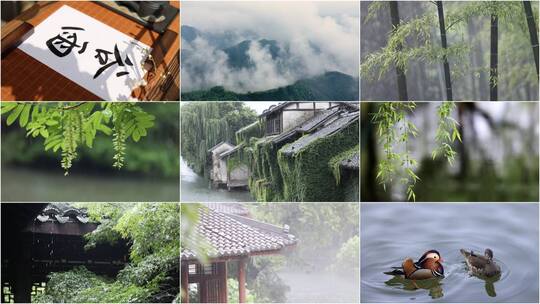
x=218 y=174
x=222 y=176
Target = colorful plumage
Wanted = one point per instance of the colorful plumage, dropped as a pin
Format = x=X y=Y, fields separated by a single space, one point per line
x=427 y=267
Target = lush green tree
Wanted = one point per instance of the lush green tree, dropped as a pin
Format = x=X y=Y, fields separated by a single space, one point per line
x=152 y=231
x=348 y=256
x=205 y=124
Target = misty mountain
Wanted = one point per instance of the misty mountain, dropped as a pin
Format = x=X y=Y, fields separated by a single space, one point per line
x=237 y=53
x=239 y=57
x=233 y=65
x=331 y=86
x=189 y=33
x=221 y=40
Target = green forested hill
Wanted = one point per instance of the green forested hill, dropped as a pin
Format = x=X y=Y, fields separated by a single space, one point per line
x=333 y=86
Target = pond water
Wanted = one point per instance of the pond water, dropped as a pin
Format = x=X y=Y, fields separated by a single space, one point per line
x=319 y=287
x=22 y=184
x=392 y=232
x=195 y=188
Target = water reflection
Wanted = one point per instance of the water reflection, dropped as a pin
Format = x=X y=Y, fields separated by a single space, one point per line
x=195 y=188
x=489 y=285
x=433 y=286
x=23 y=184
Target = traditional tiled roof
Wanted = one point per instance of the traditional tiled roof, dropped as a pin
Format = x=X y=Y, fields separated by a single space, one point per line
x=62 y=213
x=274 y=108
x=228 y=236
x=343 y=121
x=230 y=208
x=251 y=125
x=309 y=125
x=233 y=150
x=220 y=144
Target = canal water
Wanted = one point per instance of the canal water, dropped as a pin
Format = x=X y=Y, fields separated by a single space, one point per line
x=392 y=232
x=23 y=184
x=319 y=287
x=195 y=188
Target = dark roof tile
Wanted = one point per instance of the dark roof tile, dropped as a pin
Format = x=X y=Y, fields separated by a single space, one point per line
x=230 y=236
x=62 y=213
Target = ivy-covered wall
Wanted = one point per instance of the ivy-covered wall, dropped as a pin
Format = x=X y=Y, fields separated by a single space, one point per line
x=253 y=130
x=307 y=174
x=346 y=179
x=265 y=182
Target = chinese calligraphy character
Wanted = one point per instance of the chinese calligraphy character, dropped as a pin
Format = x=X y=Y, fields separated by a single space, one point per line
x=103 y=57
x=62 y=44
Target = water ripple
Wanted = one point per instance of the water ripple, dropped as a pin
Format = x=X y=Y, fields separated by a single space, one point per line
x=392 y=232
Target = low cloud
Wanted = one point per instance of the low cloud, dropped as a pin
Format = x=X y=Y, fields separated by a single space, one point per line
x=313 y=37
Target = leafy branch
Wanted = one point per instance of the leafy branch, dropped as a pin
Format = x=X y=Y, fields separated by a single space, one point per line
x=412 y=40
x=67 y=126
x=394 y=131
x=447 y=132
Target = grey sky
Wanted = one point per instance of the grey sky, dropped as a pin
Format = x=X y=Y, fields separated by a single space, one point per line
x=260 y=106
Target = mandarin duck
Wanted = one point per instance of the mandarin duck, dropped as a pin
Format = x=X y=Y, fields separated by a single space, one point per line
x=481 y=265
x=427 y=267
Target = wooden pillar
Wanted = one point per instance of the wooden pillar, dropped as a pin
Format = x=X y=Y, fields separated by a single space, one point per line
x=242 y=280
x=203 y=292
x=222 y=272
x=203 y=284
x=185 y=283
x=22 y=284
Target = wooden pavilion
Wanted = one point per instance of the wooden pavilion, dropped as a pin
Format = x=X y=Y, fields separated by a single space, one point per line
x=39 y=238
x=229 y=237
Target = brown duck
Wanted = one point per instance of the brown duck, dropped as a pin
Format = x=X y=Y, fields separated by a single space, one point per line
x=481 y=265
x=427 y=267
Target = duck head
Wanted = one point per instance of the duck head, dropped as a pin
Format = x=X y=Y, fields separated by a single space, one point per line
x=489 y=254
x=432 y=254
x=431 y=259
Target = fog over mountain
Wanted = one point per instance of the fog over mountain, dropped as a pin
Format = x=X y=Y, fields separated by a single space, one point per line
x=256 y=46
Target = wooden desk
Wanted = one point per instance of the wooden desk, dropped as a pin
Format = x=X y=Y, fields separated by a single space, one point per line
x=26 y=79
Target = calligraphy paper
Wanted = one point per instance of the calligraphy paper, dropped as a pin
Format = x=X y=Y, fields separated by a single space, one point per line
x=97 y=57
